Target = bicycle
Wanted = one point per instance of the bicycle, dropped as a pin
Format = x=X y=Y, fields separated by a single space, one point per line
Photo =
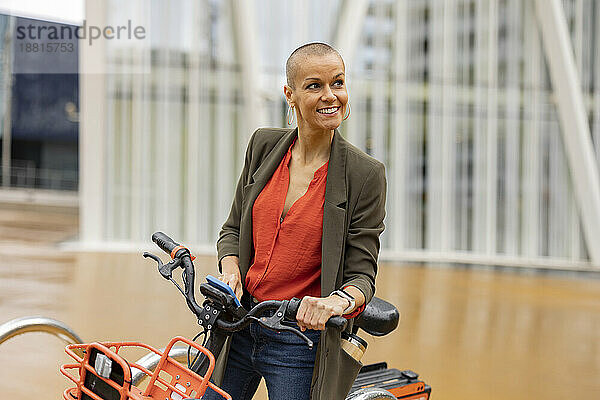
x=106 y=375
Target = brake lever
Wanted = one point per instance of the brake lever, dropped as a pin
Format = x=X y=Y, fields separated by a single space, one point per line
x=166 y=270
x=274 y=322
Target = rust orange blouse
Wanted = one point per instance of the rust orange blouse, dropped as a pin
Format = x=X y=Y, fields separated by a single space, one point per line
x=287 y=251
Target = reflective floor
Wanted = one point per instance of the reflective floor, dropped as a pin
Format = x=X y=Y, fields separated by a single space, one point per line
x=470 y=334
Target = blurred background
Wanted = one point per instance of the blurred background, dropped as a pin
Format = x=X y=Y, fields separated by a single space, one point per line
x=486 y=114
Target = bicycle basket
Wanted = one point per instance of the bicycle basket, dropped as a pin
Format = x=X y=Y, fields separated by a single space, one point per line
x=105 y=375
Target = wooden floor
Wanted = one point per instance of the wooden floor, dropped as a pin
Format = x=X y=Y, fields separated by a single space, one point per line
x=470 y=334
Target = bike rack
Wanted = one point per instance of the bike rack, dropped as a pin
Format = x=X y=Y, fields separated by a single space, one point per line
x=150 y=361
x=23 y=325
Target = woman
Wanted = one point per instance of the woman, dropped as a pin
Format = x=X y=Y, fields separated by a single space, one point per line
x=305 y=222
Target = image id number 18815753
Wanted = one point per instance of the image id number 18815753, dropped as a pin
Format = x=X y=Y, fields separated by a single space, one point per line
x=49 y=47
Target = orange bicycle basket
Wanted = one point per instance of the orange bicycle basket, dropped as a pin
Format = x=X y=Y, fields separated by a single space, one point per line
x=103 y=372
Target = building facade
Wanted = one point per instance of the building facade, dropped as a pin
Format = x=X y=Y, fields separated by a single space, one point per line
x=456 y=97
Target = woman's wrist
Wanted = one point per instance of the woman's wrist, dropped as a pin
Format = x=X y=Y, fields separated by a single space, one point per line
x=343 y=302
x=230 y=264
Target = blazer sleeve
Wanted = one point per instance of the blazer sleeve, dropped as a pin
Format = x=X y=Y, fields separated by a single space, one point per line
x=362 y=241
x=228 y=243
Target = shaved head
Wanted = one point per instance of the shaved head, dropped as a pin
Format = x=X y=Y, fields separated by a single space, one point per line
x=302 y=53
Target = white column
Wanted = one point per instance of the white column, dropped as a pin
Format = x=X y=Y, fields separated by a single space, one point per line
x=596 y=62
x=573 y=119
x=346 y=39
x=480 y=229
x=447 y=223
x=491 y=191
x=530 y=184
x=397 y=175
x=247 y=55
x=92 y=130
x=512 y=153
x=195 y=199
x=441 y=130
x=379 y=86
x=349 y=27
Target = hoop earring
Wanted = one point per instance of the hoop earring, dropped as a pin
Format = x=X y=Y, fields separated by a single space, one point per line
x=289 y=115
x=346 y=116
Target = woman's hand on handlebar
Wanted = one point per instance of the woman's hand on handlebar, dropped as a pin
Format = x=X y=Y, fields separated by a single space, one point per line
x=231 y=274
x=314 y=312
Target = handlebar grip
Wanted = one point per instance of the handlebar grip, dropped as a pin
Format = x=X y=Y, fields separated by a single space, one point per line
x=165 y=243
x=338 y=323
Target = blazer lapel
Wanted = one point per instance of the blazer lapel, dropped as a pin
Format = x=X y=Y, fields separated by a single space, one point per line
x=268 y=166
x=334 y=214
x=259 y=179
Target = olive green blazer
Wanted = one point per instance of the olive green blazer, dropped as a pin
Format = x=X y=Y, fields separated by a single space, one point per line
x=353 y=214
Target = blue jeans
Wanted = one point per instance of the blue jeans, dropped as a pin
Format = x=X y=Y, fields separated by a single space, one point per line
x=283 y=359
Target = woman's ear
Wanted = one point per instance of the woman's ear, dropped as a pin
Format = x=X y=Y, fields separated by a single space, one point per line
x=287 y=91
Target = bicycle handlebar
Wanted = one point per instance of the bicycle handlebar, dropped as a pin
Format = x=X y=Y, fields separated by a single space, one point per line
x=182 y=258
x=290 y=310
x=165 y=243
x=335 y=322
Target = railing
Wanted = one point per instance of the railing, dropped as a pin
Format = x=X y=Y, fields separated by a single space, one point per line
x=25 y=174
x=23 y=325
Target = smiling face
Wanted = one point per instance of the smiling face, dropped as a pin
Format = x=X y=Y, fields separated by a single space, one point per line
x=319 y=94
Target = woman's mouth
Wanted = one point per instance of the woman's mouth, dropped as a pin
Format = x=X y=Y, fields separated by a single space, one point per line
x=328 y=110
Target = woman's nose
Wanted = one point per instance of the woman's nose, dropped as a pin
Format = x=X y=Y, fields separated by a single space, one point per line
x=328 y=95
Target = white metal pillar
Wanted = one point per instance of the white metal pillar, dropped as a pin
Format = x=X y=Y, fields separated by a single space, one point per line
x=448 y=132
x=441 y=131
x=349 y=27
x=398 y=182
x=530 y=170
x=247 y=54
x=573 y=119
x=512 y=150
x=491 y=150
x=92 y=81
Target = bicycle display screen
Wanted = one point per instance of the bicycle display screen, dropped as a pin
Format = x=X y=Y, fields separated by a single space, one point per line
x=106 y=367
x=222 y=286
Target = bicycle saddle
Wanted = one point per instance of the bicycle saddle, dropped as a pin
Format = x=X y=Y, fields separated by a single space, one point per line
x=379 y=318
